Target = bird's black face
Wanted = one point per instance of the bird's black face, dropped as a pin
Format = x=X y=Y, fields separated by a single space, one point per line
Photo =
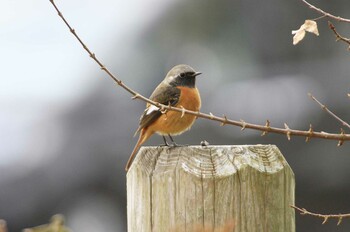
x=182 y=75
x=185 y=79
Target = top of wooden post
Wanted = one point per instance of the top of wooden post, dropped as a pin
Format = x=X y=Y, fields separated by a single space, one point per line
x=210 y=161
x=238 y=188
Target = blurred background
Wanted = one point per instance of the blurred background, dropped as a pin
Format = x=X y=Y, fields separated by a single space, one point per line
x=66 y=130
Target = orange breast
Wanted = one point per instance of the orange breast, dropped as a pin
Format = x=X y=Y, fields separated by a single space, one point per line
x=171 y=122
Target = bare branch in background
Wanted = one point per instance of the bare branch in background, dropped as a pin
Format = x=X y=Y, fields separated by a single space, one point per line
x=325 y=217
x=331 y=26
x=326 y=14
x=338 y=36
x=324 y=107
x=299 y=35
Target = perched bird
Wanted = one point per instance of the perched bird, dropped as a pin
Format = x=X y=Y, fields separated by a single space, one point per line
x=178 y=89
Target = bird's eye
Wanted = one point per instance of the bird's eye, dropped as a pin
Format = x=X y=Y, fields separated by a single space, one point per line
x=182 y=75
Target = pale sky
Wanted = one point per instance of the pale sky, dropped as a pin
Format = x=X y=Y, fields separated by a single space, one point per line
x=41 y=59
x=44 y=69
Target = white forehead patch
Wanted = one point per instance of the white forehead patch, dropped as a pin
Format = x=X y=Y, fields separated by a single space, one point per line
x=151 y=109
x=169 y=79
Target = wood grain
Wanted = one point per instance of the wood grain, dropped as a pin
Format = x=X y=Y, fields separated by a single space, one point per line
x=243 y=188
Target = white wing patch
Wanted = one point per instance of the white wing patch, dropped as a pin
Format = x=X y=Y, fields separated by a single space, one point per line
x=151 y=109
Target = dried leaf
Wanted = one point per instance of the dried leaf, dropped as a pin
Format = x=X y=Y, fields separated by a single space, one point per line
x=311 y=26
x=308 y=26
x=299 y=35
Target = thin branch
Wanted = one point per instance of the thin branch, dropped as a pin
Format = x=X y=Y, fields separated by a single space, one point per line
x=325 y=217
x=338 y=36
x=326 y=13
x=223 y=120
x=93 y=56
x=324 y=107
x=331 y=26
x=318 y=18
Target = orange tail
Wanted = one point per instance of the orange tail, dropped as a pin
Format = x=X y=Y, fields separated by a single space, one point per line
x=144 y=135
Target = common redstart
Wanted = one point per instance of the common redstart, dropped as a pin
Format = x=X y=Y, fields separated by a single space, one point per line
x=178 y=89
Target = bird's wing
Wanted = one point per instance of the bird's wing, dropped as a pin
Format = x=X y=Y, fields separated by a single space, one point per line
x=163 y=94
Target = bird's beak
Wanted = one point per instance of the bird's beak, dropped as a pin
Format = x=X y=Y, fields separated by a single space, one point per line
x=196 y=74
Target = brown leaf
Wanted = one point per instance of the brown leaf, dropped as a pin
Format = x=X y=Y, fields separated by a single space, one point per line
x=311 y=26
x=308 y=26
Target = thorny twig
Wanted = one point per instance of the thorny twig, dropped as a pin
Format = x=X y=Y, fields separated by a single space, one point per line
x=331 y=26
x=338 y=36
x=324 y=107
x=303 y=211
x=326 y=13
x=224 y=120
x=325 y=217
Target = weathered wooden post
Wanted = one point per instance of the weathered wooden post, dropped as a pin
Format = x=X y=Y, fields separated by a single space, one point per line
x=244 y=188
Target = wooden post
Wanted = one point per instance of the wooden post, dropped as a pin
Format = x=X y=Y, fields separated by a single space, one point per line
x=243 y=188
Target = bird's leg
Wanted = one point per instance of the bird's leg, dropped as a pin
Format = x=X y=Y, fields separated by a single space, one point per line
x=173 y=142
x=165 y=142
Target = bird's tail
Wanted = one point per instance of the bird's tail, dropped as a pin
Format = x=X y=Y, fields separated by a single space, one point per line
x=144 y=135
x=137 y=131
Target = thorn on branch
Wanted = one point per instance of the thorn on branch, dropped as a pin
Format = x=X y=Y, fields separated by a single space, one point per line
x=182 y=111
x=225 y=121
x=92 y=55
x=341 y=141
x=325 y=220
x=72 y=30
x=211 y=115
x=309 y=132
x=267 y=126
x=197 y=115
x=162 y=108
x=288 y=131
x=339 y=220
x=135 y=96
x=244 y=124
x=303 y=211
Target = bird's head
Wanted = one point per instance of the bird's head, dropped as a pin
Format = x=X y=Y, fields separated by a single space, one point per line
x=182 y=75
